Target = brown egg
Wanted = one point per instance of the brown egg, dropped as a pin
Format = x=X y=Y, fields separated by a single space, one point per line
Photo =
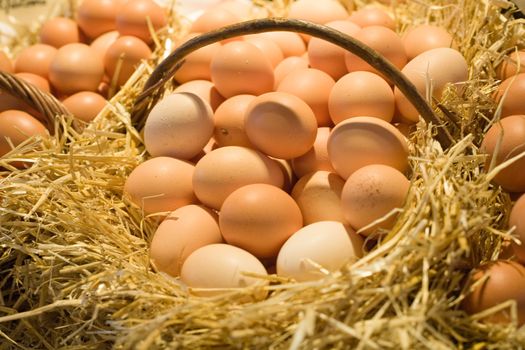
x=130 y=51
x=239 y=67
x=214 y=18
x=372 y=192
x=103 y=42
x=36 y=59
x=383 y=40
x=425 y=37
x=313 y=86
x=372 y=16
x=361 y=94
x=316 y=158
x=197 y=64
x=76 y=67
x=5 y=63
x=244 y=10
x=512 y=132
x=178 y=126
x=290 y=43
x=59 y=31
x=289 y=177
x=205 y=89
x=161 y=184
x=517 y=220
x=510 y=95
x=221 y=268
x=271 y=50
x=328 y=57
x=286 y=66
x=17 y=127
x=505 y=280
x=7 y=101
x=96 y=17
x=185 y=230
x=229 y=122
x=259 y=218
x=133 y=16
x=226 y=169
x=85 y=105
x=318 y=195
x=509 y=65
x=360 y=141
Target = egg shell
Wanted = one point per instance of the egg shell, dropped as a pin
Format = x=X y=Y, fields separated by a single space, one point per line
x=8 y=101
x=316 y=158
x=96 y=17
x=425 y=37
x=505 y=280
x=196 y=65
x=225 y=169
x=512 y=131
x=372 y=192
x=361 y=93
x=59 y=31
x=133 y=16
x=229 y=122
x=75 y=68
x=259 y=218
x=239 y=67
x=286 y=66
x=5 y=63
x=517 y=220
x=85 y=105
x=327 y=244
x=429 y=65
x=36 y=59
x=290 y=43
x=281 y=125
x=385 y=41
x=372 y=16
x=318 y=195
x=214 y=18
x=360 y=141
x=161 y=184
x=205 y=89
x=221 y=268
x=509 y=65
x=313 y=86
x=102 y=43
x=18 y=126
x=130 y=51
x=271 y=50
x=510 y=95
x=328 y=57
x=181 y=233
x=289 y=177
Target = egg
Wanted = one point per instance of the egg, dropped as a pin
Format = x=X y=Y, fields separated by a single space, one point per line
x=512 y=132
x=425 y=37
x=510 y=95
x=372 y=16
x=361 y=94
x=102 y=43
x=316 y=158
x=360 y=141
x=286 y=66
x=59 y=31
x=318 y=195
x=214 y=18
x=16 y=127
x=325 y=245
x=281 y=125
x=259 y=218
x=96 y=17
x=205 y=89
x=229 y=121
x=183 y=231
x=196 y=65
x=509 y=65
x=36 y=59
x=313 y=86
x=271 y=50
x=239 y=67
x=429 y=66
x=76 y=67
x=85 y=105
x=178 y=126
x=328 y=57
x=385 y=41
x=8 y=101
x=289 y=177
x=503 y=281
x=290 y=43
x=133 y=17
x=225 y=169
x=517 y=220
x=242 y=9
x=123 y=57
x=372 y=192
x=5 y=63
x=161 y=184
x=221 y=268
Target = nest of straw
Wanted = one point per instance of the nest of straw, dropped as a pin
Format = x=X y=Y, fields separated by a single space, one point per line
x=75 y=272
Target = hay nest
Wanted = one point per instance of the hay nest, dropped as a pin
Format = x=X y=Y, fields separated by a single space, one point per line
x=75 y=272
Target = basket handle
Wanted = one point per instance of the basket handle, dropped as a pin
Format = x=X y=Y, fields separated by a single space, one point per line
x=167 y=68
